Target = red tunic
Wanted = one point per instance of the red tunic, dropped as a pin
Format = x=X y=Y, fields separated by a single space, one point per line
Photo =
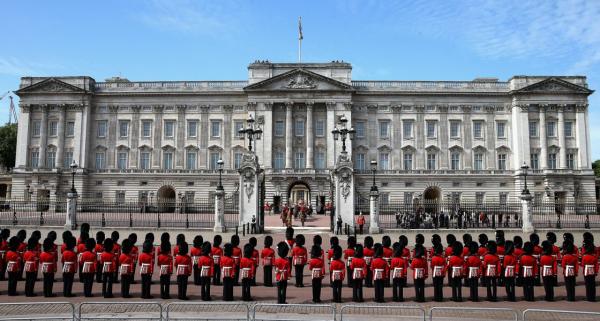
x=167 y=260
x=236 y=255
x=70 y=258
x=379 y=264
x=482 y=251
x=348 y=253
x=419 y=263
x=491 y=264
x=448 y=251
x=588 y=259
x=268 y=256
x=330 y=255
x=248 y=264
x=216 y=252
x=368 y=255
x=387 y=253
x=48 y=259
x=30 y=257
x=255 y=257
x=548 y=260
x=438 y=260
x=207 y=261
x=108 y=257
x=570 y=259
x=227 y=263
x=299 y=255
x=12 y=256
x=338 y=265
x=473 y=262
x=455 y=261
x=317 y=263
x=183 y=261
x=282 y=269
x=358 y=263
x=88 y=257
x=510 y=260
x=528 y=261
x=195 y=254
x=147 y=258
x=399 y=263
x=126 y=259
x=518 y=252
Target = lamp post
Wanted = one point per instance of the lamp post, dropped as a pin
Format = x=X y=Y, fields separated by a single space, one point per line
x=343 y=132
x=73 y=171
x=220 y=163
x=374 y=170
x=524 y=169
x=251 y=132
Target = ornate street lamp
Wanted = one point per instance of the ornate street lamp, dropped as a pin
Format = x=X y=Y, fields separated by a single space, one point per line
x=342 y=132
x=73 y=171
x=251 y=132
x=524 y=169
x=220 y=163
x=374 y=170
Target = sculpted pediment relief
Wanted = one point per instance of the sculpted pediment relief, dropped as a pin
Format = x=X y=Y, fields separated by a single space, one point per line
x=299 y=80
x=50 y=85
x=554 y=85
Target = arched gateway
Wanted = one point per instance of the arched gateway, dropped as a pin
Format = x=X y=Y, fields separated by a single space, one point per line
x=166 y=199
x=431 y=198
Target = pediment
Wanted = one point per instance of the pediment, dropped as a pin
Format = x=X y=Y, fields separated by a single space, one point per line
x=299 y=80
x=554 y=85
x=51 y=85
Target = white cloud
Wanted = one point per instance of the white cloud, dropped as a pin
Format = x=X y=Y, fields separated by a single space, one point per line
x=15 y=67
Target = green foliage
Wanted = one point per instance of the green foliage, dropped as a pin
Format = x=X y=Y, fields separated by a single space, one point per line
x=596 y=167
x=8 y=145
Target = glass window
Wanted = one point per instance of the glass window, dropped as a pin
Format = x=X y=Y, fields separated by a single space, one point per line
x=455 y=161
x=568 y=129
x=430 y=161
x=70 y=129
x=51 y=159
x=478 y=161
x=192 y=128
x=215 y=128
x=430 y=129
x=535 y=161
x=500 y=129
x=299 y=127
x=408 y=161
x=237 y=160
x=190 y=160
x=123 y=128
x=384 y=161
x=408 y=198
x=320 y=128
x=359 y=161
x=571 y=161
x=53 y=128
x=479 y=198
x=550 y=126
x=478 y=129
x=384 y=129
x=359 y=127
x=214 y=159
x=100 y=160
x=503 y=197
x=169 y=128
x=168 y=160
x=533 y=129
x=552 y=161
x=237 y=125
x=68 y=158
x=35 y=158
x=102 y=128
x=120 y=197
x=145 y=160
x=37 y=128
x=454 y=128
x=320 y=160
x=279 y=128
x=502 y=162
x=299 y=160
x=122 y=160
x=279 y=160
x=407 y=129
x=146 y=128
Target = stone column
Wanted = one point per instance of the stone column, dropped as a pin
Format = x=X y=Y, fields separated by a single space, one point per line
x=344 y=190
x=78 y=147
x=71 y=219
x=134 y=133
x=219 y=211
x=374 y=213
x=23 y=136
x=157 y=136
x=467 y=138
x=227 y=135
x=543 y=139
x=289 y=133
x=181 y=134
x=203 y=135
x=43 y=136
x=526 y=213
x=562 y=163
x=581 y=137
x=267 y=139
x=249 y=189
x=60 y=144
x=443 y=137
x=309 y=135
x=330 y=142
x=112 y=133
x=419 y=134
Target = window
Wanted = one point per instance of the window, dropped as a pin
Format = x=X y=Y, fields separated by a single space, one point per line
x=70 y=129
x=384 y=129
x=320 y=128
x=502 y=162
x=102 y=128
x=214 y=159
x=550 y=126
x=408 y=161
x=360 y=129
x=454 y=128
x=123 y=128
x=501 y=129
x=407 y=129
x=479 y=198
x=455 y=161
x=279 y=128
x=215 y=128
x=478 y=129
x=299 y=160
x=552 y=161
x=100 y=160
x=68 y=158
x=168 y=160
x=122 y=160
x=237 y=125
x=408 y=198
x=35 y=158
x=120 y=197
x=533 y=129
x=537 y=198
x=571 y=161
x=384 y=198
x=145 y=160
x=190 y=160
x=430 y=161
x=534 y=161
x=51 y=159
x=568 y=129
x=169 y=128
x=320 y=160
x=503 y=198
x=237 y=160
x=384 y=161
x=192 y=128
x=53 y=128
x=478 y=161
x=359 y=161
x=299 y=128
x=37 y=128
x=146 y=128
x=279 y=160
x=430 y=129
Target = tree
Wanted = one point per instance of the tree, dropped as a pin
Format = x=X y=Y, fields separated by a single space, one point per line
x=8 y=145
x=596 y=167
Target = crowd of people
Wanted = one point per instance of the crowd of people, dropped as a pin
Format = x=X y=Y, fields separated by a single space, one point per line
x=461 y=219
x=378 y=265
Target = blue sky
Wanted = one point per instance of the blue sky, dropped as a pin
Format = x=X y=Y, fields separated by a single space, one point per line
x=215 y=40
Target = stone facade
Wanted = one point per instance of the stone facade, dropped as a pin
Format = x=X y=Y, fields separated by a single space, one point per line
x=435 y=139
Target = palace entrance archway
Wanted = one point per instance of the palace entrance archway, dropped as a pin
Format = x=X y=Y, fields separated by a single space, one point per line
x=431 y=198
x=166 y=199
x=299 y=192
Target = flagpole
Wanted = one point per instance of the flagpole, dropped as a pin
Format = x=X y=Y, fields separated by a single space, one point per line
x=300 y=37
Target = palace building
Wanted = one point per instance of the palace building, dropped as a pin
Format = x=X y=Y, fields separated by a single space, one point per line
x=434 y=140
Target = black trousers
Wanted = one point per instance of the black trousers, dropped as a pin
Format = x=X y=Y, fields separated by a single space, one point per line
x=182 y=284
x=379 y=290
x=299 y=269
x=398 y=289
x=236 y=278
x=491 y=283
x=420 y=290
x=228 y=289
x=30 y=278
x=146 y=283
x=337 y=291
x=357 y=290
x=369 y=278
x=570 y=285
x=473 y=289
x=590 y=287
x=456 y=284
x=316 y=289
x=205 y=288
x=268 y=275
x=48 y=284
x=125 y=285
x=349 y=276
x=2 y=271
x=438 y=288
x=549 y=287
x=196 y=275
x=88 y=282
x=13 y=278
x=246 y=285
x=528 y=288
x=165 y=286
x=281 y=292
x=217 y=275
x=68 y=284
x=509 y=285
x=99 y=274
x=107 y=284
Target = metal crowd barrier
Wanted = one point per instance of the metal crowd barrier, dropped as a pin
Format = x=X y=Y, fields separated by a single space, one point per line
x=293 y=312
x=474 y=314
x=120 y=311
x=37 y=311
x=559 y=315
x=383 y=312
x=206 y=311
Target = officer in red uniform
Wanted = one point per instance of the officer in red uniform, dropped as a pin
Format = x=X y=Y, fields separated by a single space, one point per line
x=13 y=265
x=317 y=272
x=368 y=255
x=358 y=268
x=4 y=235
x=398 y=271
x=438 y=271
x=88 y=262
x=126 y=268
x=206 y=267
x=114 y=236
x=348 y=256
x=338 y=271
x=282 y=271
x=195 y=253
x=216 y=252
x=255 y=257
x=146 y=263
x=165 y=264
x=537 y=253
x=570 y=269
x=379 y=269
x=236 y=255
x=108 y=265
x=388 y=252
x=492 y=269
x=456 y=267
x=69 y=265
x=183 y=263
x=299 y=259
x=48 y=267
x=548 y=270
x=268 y=256
x=473 y=270
x=227 y=266
x=30 y=259
x=509 y=268
x=247 y=271
x=589 y=264
x=528 y=269
x=135 y=254
x=100 y=237
x=419 y=267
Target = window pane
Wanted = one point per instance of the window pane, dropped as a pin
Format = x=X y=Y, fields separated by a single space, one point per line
x=123 y=128
x=215 y=129
x=320 y=128
x=237 y=160
x=299 y=127
x=550 y=129
x=145 y=160
x=146 y=128
x=100 y=160
x=384 y=161
x=122 y=160
x=53 y=128
x=360 y=129
x=500 y=126
x=192 y=128
x=279 y=128
x=454 y=128
x=407 y=129
x=430 y=129
x=299 y=160
x=569 y=129
x=191 y=160
x=320 y=160
x=360 y=161
x=533 y=129
x=70 y=129
x=278 y=160
x=477 y=129
x=384 y=129
x=102 y=128
x=408 y=161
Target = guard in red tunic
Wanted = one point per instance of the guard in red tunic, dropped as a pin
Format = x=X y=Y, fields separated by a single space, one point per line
x=227 y=266
x=282 y=271
x=146 y=263
x=473 y=270
x=183 y=264
x=216 y=252
x=114 y=236
x=206 y=267
x=548 y=270
x=537 y=253
x=368 y=254
x=492 y=269
x=126 y=268
x=164 y=262
x=348 y=256
x=509 y=268
x=236 y=255
x=528 y=266
x=317 y=272
x=69 y=265
x=88 y=262
x=398 y=272
x=299 y=259
x=589 y=264
x=388 y=252
x=247 y=271
x=379 y=269
x=438 y=271
x=195 y=253
x=108 y=265
x=13 y=265
x=456 y=267
x=255 y=257
x=100 y=237
x=4 y=235
x=48 y=267
x=338 y=273
x=570 y=269
x=358 y=268
x=268 y=256
x=30 y=259
x=135 y=254
x=419 y=268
